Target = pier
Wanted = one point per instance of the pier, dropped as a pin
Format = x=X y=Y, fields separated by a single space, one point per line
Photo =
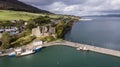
x=85 y=47
x=78 y=46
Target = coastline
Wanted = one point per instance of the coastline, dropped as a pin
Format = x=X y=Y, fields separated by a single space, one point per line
x=85 y=47
x=78 y=46
x=19 y=50
x=66 y=26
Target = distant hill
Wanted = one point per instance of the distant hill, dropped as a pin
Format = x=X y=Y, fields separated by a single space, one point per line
x=104 y=15
x=19 y=6
x=111 y=15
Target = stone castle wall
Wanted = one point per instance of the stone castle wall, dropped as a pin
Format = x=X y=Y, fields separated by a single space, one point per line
x=43 y=31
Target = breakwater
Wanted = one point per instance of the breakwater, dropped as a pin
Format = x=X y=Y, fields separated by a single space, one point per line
x=79 y=46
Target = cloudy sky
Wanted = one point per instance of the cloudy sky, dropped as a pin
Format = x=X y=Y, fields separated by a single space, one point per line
x=77 y=7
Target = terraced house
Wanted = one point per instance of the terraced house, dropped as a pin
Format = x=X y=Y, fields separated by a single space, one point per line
x=10 y=30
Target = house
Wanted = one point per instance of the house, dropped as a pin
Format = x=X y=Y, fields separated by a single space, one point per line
x=17 y=21
x=10 y=30
x=37 y=42
x=18 y=51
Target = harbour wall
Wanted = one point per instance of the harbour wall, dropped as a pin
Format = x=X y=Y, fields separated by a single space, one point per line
x=85 y=47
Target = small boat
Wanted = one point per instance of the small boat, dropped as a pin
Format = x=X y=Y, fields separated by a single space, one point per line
x=27 y=52
x=12 y=54
x=38 y=48
x=85 y=49
x=79 y=48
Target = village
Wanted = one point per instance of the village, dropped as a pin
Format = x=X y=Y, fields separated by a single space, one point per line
x=19 y=38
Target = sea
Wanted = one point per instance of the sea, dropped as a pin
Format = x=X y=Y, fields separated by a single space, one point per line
x=97 y=31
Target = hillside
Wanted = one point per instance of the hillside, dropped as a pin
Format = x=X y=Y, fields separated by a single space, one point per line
x=16 y=15
x=19 y=6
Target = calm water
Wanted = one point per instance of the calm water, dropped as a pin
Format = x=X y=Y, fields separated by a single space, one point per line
x=103 y=32
x=61 y=56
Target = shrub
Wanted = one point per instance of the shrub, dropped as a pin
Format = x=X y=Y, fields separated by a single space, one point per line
x=47 y=38
x=5 y=40
x=23 y=41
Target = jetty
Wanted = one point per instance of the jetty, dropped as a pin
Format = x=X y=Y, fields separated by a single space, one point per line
x=78 y=46
x=85 y=47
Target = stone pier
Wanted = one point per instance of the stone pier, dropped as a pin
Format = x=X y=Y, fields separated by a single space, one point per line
x=85 y=47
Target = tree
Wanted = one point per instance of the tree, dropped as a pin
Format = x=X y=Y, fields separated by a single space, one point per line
x=42 y=20
x=30 y=25
x=60 y=28
x=5 y=40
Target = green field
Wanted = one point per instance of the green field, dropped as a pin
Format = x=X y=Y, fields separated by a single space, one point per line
x=16 y=15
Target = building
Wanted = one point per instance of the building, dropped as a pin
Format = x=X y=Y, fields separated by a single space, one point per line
x=10 y=30
x=37 y=42
x=43 y=31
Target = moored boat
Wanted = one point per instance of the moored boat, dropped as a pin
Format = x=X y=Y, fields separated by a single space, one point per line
x=12 y=54
x=38 y=48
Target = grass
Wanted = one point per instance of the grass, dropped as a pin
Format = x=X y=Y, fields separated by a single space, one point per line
x=16 y=15
x=23 y=40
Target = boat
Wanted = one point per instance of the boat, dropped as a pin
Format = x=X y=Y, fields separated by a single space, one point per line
x=85 y=49
x=79 y=48
x=27 y=52
x=12 y=54
x=38 y=48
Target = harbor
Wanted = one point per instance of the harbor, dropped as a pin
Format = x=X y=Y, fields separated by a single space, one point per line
x=30 y=49
x=85 y=47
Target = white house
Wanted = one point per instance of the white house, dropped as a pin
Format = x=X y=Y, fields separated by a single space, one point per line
x=37 y=42
x=18 y=51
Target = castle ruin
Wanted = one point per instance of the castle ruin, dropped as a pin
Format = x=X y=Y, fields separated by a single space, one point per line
x=43 y=31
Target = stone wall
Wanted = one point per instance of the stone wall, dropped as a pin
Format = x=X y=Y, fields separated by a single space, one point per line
x=43 y=31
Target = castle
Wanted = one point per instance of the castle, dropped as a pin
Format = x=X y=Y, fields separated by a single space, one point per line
x=43 y=30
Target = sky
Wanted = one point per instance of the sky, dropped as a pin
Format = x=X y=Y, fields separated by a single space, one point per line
x=78 y=7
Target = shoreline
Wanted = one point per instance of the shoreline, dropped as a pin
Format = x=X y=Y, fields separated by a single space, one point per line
x=78 y=46
x=18 y=51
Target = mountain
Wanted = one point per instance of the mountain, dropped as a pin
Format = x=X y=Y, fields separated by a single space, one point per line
x=111 y=15
x=105 y=15
x=19 y=6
